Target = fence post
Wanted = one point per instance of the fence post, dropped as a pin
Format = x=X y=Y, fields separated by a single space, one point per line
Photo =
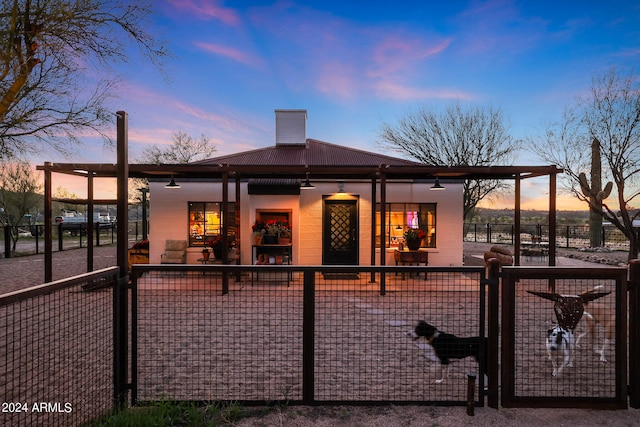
x=37 y=239
x=634 y=333
x=308 y=338
x=60 y=237
x=493 y=331
x=7 y=241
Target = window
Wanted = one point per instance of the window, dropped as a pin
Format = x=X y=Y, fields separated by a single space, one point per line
x=205 y=222
x=401 y=216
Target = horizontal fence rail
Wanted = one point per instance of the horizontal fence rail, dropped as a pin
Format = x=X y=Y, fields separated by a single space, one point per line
x=56 y=352
x=302 y=334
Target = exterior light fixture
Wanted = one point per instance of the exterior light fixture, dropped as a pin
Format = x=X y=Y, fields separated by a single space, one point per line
x=340 y=186
x=172 y=184
x=437 y=185
x=307 y=185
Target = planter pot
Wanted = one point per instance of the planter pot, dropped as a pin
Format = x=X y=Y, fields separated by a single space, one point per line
x=414 y=244
x=284 y=240
x=257 y=239
x=217 y=252
x=205 y=255
x=269 y=239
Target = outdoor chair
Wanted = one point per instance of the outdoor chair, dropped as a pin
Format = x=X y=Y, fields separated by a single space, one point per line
x=175 y=252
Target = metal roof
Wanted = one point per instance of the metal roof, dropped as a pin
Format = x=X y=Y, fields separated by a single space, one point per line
x=312 y=153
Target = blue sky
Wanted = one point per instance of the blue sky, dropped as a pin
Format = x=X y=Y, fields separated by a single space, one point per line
x=355 y=65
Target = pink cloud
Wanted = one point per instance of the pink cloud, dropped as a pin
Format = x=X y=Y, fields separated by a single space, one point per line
x=207 y=9
x=396 y=54
x=397 y=91
x=231 y=53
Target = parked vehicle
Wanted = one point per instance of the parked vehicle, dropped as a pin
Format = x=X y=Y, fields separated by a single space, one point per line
x=73 y=221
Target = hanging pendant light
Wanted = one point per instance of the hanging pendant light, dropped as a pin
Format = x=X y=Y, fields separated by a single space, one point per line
x=307 y=185
x=172 y=184
x=437 y=185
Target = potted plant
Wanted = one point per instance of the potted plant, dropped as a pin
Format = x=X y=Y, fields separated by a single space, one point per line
x=216 y=246
x=284 y=232
x=259 y=229
x=205 y=253
x=413 y=237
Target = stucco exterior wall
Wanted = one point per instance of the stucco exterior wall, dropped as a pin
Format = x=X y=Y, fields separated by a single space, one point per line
x=169 y=218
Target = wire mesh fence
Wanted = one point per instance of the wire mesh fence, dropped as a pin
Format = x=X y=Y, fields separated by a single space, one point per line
x=567 y=236
x=56 y=356
x=264 y=341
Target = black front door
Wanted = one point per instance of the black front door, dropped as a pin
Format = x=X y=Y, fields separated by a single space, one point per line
x=340 y=232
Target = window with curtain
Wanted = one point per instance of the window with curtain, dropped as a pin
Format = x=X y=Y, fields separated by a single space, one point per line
x=205 y=222
x=402 y=216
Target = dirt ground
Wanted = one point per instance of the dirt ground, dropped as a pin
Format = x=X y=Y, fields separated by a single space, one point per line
x=409 y=416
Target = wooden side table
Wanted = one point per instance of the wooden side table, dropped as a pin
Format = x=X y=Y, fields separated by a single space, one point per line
x=409 y=257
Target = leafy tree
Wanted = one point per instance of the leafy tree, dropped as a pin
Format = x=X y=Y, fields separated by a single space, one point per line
x=183 y=149
x=62 y=193
x=50 y=53
x=602 y=126
x=20 y=196
x=458 y=136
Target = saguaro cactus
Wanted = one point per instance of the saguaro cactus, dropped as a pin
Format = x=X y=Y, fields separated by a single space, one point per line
x=595 y=193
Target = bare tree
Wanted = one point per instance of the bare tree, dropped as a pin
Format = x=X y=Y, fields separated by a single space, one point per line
x=20 y=196
x=608 y=118
x=183 y=149
x=472 y=136
x=50 y=53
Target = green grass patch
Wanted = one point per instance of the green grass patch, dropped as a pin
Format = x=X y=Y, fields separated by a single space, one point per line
x=169 y=414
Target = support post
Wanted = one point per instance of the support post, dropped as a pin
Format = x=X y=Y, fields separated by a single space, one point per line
x=90 y=224
x=552 y=228
x=120 y=294
x=516 y=221
x=372 y=279
x=634 y=333
x=225 y=230
x=383 y=234
x=48 y=225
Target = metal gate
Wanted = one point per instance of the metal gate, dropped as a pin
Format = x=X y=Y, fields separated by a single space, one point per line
x=592 y=374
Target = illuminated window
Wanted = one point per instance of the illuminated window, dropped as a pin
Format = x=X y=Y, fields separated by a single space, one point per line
x=205 y=222
x=402 y=216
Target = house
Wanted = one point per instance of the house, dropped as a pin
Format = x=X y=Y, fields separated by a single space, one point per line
x=335 y=214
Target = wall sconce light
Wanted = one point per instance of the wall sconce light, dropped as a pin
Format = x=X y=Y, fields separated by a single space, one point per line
x=437 y=185
x=340 y=186
x=172 y=184
x=307 y=185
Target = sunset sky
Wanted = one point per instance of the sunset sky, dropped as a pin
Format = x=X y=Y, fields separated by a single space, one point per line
x=356 y=65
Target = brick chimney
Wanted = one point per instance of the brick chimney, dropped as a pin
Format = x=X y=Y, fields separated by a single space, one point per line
x=291 y=127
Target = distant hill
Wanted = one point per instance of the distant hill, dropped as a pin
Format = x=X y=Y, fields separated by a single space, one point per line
x=505 y=216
